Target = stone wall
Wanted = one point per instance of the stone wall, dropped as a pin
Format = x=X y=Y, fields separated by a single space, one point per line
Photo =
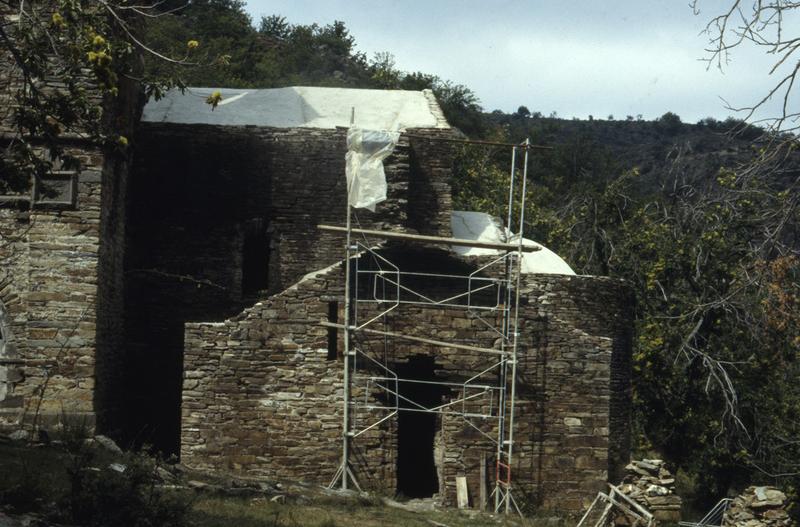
x=52 y=284
x=290 y=178
x=581 y=329
x=224 y=215
x=61 y=253
x=262 y=395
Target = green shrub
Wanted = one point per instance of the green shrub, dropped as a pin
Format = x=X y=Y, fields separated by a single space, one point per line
x=123 y=494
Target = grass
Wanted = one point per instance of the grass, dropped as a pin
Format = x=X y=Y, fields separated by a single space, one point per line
x=35 y=479
x=223 y=512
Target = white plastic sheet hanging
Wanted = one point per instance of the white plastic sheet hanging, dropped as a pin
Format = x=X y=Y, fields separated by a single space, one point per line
x=366 y=180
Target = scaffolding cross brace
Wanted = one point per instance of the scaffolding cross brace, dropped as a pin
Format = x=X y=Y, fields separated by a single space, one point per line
x=502 y=393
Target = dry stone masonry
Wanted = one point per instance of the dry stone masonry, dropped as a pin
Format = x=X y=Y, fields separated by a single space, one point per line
x=653 y=486
x=758 y=507
x=262 y=394
x=62 y=246
x=163 y=294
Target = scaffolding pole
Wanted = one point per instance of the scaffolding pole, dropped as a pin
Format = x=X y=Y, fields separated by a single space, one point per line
x=344 y=474
x=505 y=363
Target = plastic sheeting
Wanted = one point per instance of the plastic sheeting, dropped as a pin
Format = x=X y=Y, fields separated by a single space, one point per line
x=300 y=107
x=366 y=180
x=483 y=227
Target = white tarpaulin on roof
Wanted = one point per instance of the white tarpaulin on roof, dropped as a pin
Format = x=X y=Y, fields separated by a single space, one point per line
x=483 y=227
x=366 y=180
x=299 y=107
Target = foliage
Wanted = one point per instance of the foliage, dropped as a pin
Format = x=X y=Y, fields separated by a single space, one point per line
x=713 y=259
x=79 y=483
x=767 y=26
x=72 y=62
x=669 y=123
x=126 y=494
x=278 y=53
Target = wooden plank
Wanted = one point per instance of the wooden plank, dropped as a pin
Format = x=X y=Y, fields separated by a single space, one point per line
x=462 y=497
x=441 y=343
x=436 y=240
x=632 y=503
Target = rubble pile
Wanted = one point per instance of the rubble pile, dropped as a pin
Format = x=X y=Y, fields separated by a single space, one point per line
x=758 y=507
x=649 y=483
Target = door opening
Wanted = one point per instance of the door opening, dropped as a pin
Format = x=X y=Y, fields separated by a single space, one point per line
x=416 y=431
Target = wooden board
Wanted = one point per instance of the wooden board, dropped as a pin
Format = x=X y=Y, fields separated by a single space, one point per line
x=462 y=497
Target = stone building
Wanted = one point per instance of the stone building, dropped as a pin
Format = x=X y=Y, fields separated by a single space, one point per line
x=62 y=243
x=176 y=300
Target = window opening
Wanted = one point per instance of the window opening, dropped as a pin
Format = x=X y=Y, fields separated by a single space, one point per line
x=333 y=333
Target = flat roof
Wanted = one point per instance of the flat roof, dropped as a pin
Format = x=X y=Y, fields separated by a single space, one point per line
x=300 y=107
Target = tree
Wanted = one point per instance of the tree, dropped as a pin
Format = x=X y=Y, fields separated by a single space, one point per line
x=70 y=62
x=669 y=123
x=762 y=24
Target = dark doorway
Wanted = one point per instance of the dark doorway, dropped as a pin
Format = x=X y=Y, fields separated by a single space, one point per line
x=416 y=470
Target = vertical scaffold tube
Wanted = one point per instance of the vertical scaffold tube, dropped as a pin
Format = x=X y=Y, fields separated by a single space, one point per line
x=516 y=329
x=346 y=377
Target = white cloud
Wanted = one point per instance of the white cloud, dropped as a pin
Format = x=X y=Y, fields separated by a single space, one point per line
x=621 y=58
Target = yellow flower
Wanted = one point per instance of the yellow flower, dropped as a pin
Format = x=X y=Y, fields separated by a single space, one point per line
x=58 y=20
x=214 y=99
x=98 y=41
x=192 y=44
x=122 y=141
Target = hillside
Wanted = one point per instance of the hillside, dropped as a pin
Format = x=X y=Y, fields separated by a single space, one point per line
x=594 y=152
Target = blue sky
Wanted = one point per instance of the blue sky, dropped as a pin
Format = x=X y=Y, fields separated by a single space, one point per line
x=577 y=58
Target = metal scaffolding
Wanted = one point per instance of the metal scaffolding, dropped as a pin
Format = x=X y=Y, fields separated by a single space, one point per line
x=373 y=291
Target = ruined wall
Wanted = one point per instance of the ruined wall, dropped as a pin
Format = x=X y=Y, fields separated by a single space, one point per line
x=261 y=395
x=429 y=197
x=220 y=216
x=581 y=329
x=291 y=178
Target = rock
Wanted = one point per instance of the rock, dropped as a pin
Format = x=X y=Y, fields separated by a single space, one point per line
x=758 y=507
x=649 y=483
x=107 y=443
x=656 y=490
x=776 y=514
x=774 y=494
x=649 y=467
x=633 y=468
x=165 y=475
x=18 y=435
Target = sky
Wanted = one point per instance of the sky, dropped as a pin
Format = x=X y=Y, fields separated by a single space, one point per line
x=577 y=58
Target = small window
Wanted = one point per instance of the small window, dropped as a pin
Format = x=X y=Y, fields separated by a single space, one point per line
x=57 y=189
x=333 y=333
